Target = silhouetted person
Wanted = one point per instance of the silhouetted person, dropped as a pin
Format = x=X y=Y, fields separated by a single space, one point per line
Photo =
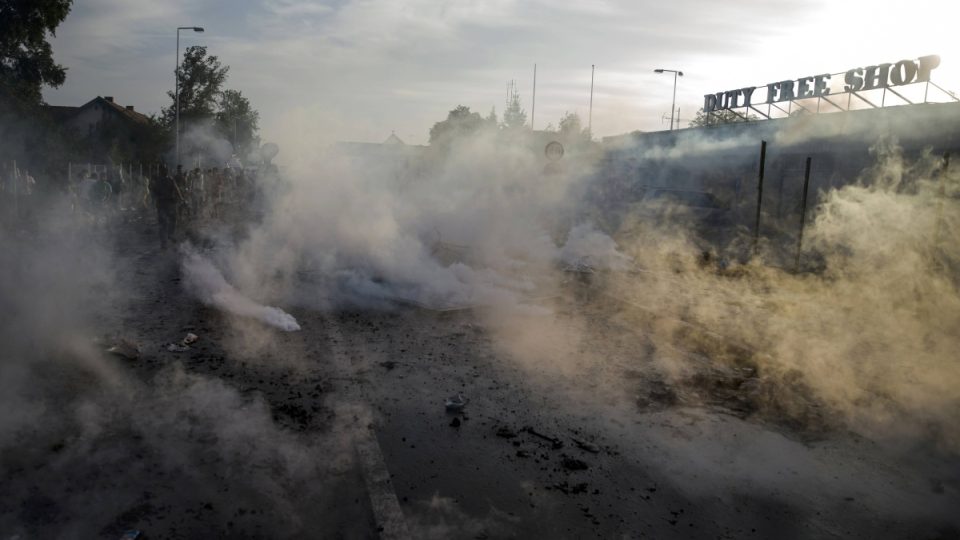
x=165 y=195
x=180 y=181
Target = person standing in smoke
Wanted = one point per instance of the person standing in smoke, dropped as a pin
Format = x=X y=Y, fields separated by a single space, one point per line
x=180 y=181
x=215 y=192
x=100 y=198
x=164 y=191
x=196 y=192
x=115 y=178
x=85 y=196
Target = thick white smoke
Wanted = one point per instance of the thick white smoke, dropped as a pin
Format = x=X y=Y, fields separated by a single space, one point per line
x=209 y=285
x=482 y=225
x=870 y=335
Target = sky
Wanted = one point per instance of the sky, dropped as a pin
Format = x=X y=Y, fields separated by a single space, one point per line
x=361 y=69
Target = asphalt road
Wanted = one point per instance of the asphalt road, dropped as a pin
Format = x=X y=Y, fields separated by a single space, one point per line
x=571 y=430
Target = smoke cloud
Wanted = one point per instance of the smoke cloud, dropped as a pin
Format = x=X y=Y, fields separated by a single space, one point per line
x=592 y=311
x=491 y=225
x=868 y=336
x=208 y=284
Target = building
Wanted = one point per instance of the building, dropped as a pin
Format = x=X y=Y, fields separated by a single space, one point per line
x=107 y=131
x=392 y=158
x=95 y=116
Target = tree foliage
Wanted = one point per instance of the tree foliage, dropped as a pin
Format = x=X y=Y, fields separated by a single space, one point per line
x=201 y=77
x=460 y=122
x=492 y=117
x=717 y=118
x=26 y=58
x=205 y=102
x=571 y=128
x=514 y=116
x=27 y=134
x=237 y=121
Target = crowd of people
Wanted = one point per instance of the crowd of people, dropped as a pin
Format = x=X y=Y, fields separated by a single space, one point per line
x=17 y=189
x=186 y=196
x=106 y=195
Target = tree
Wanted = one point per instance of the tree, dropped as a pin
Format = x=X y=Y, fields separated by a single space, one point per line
x=201 y=78
x=26 y=58
x=492 y=118
x=460 y=122
x=225 y=115
x=237 y=121
x=716 y=118
x=570 y=130
x=569 y=123
x=27 y=133
x=514 y=116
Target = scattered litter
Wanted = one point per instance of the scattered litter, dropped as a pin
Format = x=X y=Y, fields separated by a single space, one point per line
x=523 y=454
x=586 y=446
x=506 y=432
x=132 y=534
x=456 y=403
x=388 y=365
x=125 y=348
x=455 y=422
x=184 y=344
x=568 y=489
x=572 y=464
x=554 y=442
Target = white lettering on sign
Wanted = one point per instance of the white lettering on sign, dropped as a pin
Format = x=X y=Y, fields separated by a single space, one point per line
x=856 y=79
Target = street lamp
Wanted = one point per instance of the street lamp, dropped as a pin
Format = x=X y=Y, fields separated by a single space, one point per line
x=176 y=76
x=673 y=107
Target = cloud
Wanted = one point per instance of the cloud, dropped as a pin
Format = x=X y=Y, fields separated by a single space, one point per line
x=296 y=8
x=401 y=64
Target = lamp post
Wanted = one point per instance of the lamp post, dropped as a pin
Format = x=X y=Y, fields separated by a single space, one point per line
x=176 y=76
x=673 y=106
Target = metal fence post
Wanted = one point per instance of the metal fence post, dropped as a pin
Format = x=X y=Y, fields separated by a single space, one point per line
x=803 y=212
x=942 y=192
x=756 y=228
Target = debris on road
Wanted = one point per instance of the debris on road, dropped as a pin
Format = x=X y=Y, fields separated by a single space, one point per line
x=555 y=443
x=573 y=464
x=125 y=348
x=184 y=344
x=586 y=446
x=456 y=403
x=568 y=489
x=506 y=432
x=455 y=422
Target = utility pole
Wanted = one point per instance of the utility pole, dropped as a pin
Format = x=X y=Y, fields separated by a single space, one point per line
x=593 y=68
x=176 y=76
x=533 y=104
x=673 y=106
